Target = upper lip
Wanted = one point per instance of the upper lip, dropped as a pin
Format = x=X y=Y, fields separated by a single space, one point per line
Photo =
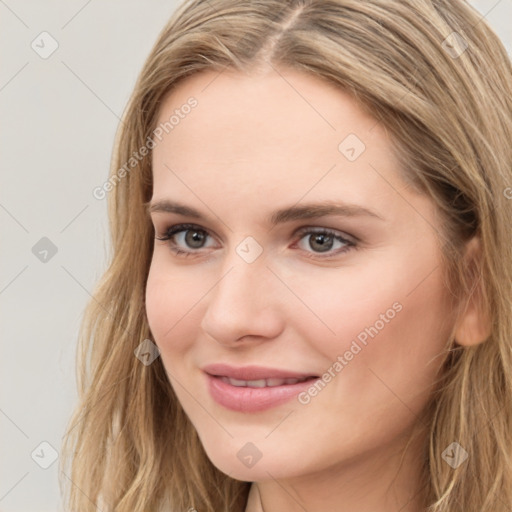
x=252 y=372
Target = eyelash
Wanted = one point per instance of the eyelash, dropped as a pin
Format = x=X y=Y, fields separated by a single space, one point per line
x=177 y=228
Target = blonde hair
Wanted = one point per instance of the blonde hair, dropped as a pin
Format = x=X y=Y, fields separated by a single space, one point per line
x=129 y=446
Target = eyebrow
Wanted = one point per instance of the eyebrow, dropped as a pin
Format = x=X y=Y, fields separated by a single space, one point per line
x=288 y=214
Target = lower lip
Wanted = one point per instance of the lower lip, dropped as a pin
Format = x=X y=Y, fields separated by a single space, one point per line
x=245 y=399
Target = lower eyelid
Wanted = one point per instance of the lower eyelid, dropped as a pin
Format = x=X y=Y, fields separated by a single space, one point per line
x=348 y=244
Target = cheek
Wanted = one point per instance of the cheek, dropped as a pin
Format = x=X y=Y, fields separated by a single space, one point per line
x=170 y=297
x=388 y=322
x=411 y=347
x=390 y=335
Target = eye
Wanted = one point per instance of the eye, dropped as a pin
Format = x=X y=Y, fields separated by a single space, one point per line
x=194 y=236
x=322 y=241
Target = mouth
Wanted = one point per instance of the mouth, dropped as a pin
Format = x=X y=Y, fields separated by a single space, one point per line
x=255 y=374
x=254 y=388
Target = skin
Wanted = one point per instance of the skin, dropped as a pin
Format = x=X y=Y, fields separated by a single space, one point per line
x=255 y=143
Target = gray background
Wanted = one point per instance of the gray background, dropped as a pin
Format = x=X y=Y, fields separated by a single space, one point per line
x=58 y=120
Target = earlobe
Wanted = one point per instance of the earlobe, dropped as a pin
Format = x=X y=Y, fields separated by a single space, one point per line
x=474 y=324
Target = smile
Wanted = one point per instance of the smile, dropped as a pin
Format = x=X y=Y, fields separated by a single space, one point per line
x=251 y=396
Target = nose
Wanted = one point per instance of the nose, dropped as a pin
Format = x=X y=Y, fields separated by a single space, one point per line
x=246 y=302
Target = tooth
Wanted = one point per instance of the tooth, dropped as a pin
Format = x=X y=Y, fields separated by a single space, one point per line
x=274 y=382
x=236 y=382
x=261 y=383
x=256 y=383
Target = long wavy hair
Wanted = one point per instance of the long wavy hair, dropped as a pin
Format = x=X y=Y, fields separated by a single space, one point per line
x=438 y=79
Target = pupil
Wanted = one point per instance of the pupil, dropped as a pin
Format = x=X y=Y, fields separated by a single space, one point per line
x=323 y=241
x=196 y=238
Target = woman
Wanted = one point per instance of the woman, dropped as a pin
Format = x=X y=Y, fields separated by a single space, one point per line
x=308 y=302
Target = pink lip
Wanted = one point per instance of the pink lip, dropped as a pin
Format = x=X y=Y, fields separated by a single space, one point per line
x=246 y=399
x=252 y=372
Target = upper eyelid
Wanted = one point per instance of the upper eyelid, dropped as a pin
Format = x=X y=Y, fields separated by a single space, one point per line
x=320 y=229
x=303 y=230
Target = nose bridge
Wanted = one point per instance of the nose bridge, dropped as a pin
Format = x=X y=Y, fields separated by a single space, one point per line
x=243 y=282
x=243 y=300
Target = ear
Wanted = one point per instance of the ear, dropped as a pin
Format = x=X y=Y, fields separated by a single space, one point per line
x=473 y=324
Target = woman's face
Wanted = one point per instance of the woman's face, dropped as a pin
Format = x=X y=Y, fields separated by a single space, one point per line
x=268 y=277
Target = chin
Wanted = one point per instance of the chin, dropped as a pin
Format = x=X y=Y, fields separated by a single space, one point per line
x=243 y=460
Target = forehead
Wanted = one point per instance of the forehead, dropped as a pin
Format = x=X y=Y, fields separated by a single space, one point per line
x=272 y=105
x=255 y=138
